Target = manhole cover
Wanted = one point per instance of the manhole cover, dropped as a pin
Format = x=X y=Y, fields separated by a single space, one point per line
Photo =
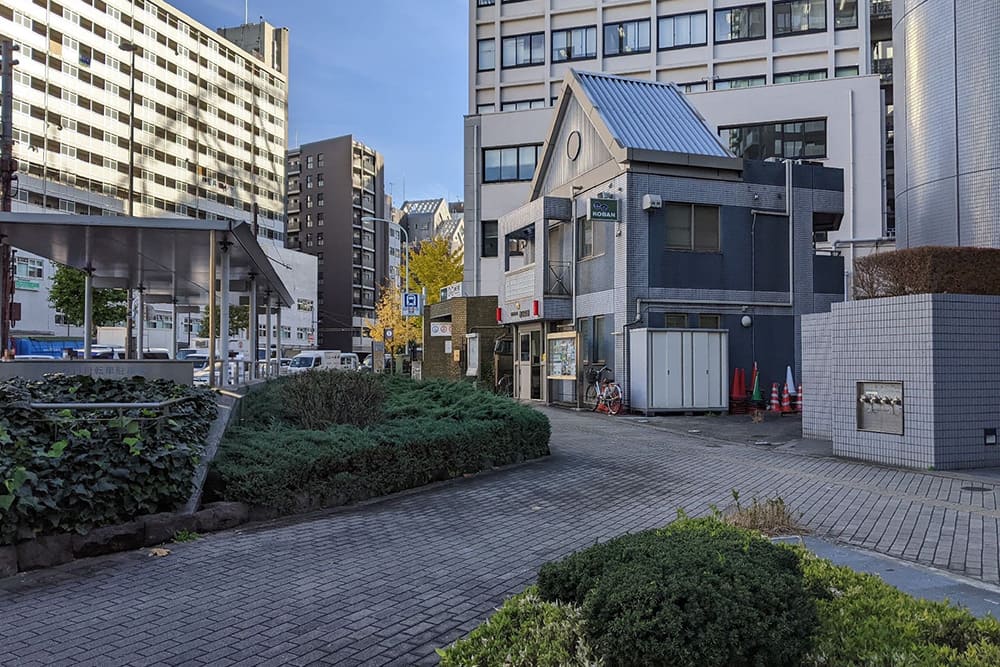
x=976 y=488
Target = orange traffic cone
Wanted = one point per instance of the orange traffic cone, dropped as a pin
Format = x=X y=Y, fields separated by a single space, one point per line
x=798 y=401
x=775 y=405
x=786 y=401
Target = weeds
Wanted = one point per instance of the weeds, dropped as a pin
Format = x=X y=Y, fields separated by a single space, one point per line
x=770 y=516
x=185 y=536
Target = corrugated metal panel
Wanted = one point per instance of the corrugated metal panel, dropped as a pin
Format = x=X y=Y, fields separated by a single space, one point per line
x=650 y=115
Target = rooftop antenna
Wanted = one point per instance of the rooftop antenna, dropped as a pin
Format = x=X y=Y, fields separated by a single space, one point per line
x=246 y=12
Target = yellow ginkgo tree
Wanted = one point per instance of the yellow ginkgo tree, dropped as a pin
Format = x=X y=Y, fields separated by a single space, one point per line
x=389 y=315
x=434 y=266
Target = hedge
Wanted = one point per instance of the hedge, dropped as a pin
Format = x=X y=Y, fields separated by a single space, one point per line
x=857 y=619
x=425 y=432
x=74 y=470
x=928 y=270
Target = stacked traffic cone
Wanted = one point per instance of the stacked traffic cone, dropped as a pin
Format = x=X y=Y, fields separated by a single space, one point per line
x=756 y=399
x=786 y=401
x=798 y=401
x=775 y=405
x=738 y=393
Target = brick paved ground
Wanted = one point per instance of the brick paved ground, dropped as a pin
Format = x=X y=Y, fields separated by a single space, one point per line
x=387 y=583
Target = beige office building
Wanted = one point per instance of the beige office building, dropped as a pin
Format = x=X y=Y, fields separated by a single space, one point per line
x=793 y=72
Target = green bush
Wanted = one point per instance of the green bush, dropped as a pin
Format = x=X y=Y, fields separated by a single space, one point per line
x=865 y=621
x=73 y=470
x=429 y=431
x=318 y=399
x=698 y=592
x=525 y=632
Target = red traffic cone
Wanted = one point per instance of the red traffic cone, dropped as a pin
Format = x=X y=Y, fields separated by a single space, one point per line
x=775 y=405
x=786 y=401
x=798 y=401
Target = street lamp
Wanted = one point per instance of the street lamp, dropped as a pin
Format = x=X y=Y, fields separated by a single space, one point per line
x=406 y=244
x=129 y=320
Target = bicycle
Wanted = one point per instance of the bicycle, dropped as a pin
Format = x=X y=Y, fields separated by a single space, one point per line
x=603 y=395
x=505 y=386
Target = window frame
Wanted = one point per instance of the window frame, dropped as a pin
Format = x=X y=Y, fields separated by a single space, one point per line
x=649 y=38
x=692 y=244
x=517 y=164
x=495 y=237
x=715 y=23
x=715 y=84
x=531 y=104
x=552 y=45
x=673 y=17
x=790 y=3
x=479 y=55
x=825 y=71
x=837 y=70
x=703 y=317
x=782 y=123
x=531 y=36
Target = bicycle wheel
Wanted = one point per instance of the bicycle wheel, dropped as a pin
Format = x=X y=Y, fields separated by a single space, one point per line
x=505 y=387
x=590 y=397
x=614 y=399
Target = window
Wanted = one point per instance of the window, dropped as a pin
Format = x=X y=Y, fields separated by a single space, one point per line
x=320 y=200
x=309 y=162
x=675 y=320
x=27 y=267
x=798 y=16
x=740 y=23
x=627 y=37
x=745 y=82
x=309 y=201
x=521 y=105
x=850 y=70
x=319 y=238
x=524 y=50
x=677 y=32
x=845 y=14
x=319 y=180
x=515 y=163
x=574 y=44
x=602 y=340
x=487 y=55
x=588 y=243
x=320 y=160
x=309 y=181
x=692 y=227
x=709 y=321
x=319 y=219
x=490 y=236
x=693 y=86
x=485 y=108
x=793 y=77
x=791 y=139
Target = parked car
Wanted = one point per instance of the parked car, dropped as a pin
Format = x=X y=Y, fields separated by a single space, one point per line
x=186 y=352
x=323 y=359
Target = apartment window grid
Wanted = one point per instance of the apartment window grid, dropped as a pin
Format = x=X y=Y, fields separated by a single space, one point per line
x=796 y=17
x=806 y=75
x=626 y=37
x=574 y=44
x=741 y=82
x=692 y=227
x=738 y=24
x=796 y=139
x=523 y=50
x=682 y=31
x=521 y=105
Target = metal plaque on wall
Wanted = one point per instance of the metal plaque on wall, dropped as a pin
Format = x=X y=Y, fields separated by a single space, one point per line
x=880 y=407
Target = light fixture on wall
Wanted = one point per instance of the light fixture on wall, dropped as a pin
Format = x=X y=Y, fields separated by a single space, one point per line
x=746 y=321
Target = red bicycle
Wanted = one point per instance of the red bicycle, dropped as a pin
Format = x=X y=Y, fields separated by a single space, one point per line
x=603 y=394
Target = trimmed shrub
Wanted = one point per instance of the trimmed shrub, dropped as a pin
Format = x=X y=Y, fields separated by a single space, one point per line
x=525 y=632
x=928 y=270
x=429 y=431
x=74 y=470
x=865 y=621
x=318 y=399
x=698 y=592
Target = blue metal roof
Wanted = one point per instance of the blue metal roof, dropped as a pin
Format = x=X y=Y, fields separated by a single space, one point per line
x=650 y=115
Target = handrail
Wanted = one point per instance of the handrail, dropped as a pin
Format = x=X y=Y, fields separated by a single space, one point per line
x=107 y=406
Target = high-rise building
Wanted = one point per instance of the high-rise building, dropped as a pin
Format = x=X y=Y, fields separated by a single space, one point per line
x=336 y=192
x=818 y=52
x=948 y=112
x=120 y=98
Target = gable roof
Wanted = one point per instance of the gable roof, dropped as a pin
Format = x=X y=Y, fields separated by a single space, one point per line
x=645 y=121
x=649 y=115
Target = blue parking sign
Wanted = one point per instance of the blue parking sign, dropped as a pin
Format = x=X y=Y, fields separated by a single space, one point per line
x=411 y=304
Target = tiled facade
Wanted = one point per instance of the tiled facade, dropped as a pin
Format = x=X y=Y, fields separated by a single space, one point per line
x=817 y=347
x=940 y=347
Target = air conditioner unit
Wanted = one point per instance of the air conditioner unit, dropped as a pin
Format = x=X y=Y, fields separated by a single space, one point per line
x=650 y=202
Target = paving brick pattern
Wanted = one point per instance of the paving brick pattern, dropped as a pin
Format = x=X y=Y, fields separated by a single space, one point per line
x=387 y=583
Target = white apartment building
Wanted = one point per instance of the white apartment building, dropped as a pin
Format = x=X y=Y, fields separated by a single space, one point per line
x=775 y=78
x=104 y=84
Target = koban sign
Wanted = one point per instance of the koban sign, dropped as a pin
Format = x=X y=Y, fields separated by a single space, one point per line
x=603 y=209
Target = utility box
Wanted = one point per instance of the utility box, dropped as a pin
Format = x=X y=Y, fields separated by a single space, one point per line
x=678 y=370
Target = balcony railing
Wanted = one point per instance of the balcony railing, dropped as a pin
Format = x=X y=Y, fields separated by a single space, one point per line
x=557 y=279
x=883 y=67
x=881 y=9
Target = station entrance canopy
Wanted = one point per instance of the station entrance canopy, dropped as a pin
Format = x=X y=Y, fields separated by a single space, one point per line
x=165 y=257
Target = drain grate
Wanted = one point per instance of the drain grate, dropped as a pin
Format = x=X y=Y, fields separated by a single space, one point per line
x=979 y=489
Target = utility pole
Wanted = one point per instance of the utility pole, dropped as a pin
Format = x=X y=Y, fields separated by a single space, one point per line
x=7 y=63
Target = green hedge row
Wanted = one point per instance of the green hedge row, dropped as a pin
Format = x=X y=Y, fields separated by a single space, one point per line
x=697 y=593
x=65 y=470
x=425 y=432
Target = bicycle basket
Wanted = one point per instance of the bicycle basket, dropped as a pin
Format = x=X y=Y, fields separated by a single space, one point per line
x=592 y=375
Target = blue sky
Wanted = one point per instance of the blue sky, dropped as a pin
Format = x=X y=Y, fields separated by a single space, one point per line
x=391 y=72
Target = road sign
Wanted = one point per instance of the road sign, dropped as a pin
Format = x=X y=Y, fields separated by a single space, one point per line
x=411 y=304
x=387 y=333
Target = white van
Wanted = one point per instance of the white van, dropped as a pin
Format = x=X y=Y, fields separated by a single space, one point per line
x=323 y=360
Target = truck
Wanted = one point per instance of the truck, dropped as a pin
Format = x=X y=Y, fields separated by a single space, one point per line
x=323 y=360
